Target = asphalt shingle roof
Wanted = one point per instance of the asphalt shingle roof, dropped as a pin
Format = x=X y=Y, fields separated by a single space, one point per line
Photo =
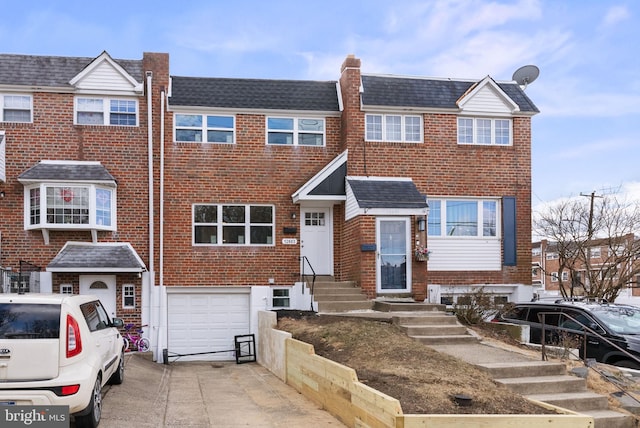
x=67 y=172
x=109 y=257
x=254 y=94
x=387 y=194
x=429 y=93
x=52 y=71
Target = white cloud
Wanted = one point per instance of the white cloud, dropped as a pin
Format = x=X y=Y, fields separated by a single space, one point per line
x=615 y=15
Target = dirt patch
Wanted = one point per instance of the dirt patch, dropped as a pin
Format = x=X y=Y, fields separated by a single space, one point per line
x=422 y=379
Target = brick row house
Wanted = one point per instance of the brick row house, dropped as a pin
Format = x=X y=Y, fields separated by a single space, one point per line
x=189 y=203
x=608 y=259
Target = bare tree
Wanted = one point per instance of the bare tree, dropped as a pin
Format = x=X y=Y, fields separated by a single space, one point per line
x=596 y=244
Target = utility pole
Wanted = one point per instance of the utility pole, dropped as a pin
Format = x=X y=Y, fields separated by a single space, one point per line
x=590 y=225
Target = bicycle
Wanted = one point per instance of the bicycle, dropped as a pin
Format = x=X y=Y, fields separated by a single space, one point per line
x=141 y=343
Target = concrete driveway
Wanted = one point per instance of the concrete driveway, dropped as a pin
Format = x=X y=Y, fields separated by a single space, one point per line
x=206 y=394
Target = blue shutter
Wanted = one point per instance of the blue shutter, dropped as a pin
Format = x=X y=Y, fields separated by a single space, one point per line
x=509 y=230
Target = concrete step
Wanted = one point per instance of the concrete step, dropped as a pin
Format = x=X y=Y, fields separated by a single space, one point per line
x=434 y=330
x=514 y=369
x=610 y=419
x=576 y=401
x=340 y=297
x=322 y=291
x=384 y=306
x=324 y=306
x=544 y=384
x=428 y=318
x=333 y=284
x=446 y=340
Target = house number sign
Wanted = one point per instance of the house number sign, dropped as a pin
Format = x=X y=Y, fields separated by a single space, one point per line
x=289 y=241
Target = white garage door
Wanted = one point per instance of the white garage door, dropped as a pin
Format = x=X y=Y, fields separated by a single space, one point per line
x=206 y=322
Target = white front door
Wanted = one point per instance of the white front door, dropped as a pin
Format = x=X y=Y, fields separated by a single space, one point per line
x=102 y=286
x=393 y=256
x=316 y=240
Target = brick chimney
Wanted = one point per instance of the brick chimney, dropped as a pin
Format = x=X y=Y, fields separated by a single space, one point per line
x=352 y=117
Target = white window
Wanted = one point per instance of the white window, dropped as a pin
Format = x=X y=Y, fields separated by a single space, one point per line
x=106 y=111
x=294 y=131
x=77 y=206
x=552 y=256
x=393 y=128
x=16 y=108
x=66 y=289
x=565 y=275
x=281 y=298
x=459 y=217
x=128 y=296
x=595 y=252
x=197 y=128
x=484 y=131
x=536 y=252
x=554 y=276
x=233 y=224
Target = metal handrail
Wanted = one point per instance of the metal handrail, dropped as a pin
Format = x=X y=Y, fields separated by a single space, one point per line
x=541 y=318
x=302 y=275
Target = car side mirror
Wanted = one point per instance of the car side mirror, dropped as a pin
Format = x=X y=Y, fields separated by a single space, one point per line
x=117 y=322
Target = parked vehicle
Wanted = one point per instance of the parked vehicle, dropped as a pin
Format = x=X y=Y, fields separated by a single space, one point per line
x=58 y=349
x=604 y=324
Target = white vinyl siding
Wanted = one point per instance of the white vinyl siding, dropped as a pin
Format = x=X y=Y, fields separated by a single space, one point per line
x=464 y=254
x=487 y=100
x=105 y=77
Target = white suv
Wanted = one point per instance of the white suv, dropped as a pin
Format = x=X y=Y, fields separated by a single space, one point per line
x=58 y=349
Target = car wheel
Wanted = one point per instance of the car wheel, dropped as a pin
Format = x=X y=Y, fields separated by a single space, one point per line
x=627 y=364
x=118 y=376
x=94 y=410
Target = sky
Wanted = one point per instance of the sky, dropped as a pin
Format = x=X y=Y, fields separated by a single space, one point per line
x=585 y=138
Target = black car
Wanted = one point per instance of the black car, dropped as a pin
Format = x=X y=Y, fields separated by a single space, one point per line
x=605 y=324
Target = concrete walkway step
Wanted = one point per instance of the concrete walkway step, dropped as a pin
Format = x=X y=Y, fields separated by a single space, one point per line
x=326 y=306
x=576 y=401
x=610 y=419
x=446 y=340
x=544 y=384
x=434 y=330
x=514 y=369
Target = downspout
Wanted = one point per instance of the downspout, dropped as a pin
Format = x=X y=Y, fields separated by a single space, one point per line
x=162 y=339
x=150 y=166
x=148 y=284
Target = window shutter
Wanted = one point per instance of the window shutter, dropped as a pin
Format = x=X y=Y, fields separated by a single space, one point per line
x=509 y=230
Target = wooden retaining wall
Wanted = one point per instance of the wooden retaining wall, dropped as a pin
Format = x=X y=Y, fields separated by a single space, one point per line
x=337 y=389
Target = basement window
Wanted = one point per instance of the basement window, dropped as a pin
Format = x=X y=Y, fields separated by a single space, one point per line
x=281 y=298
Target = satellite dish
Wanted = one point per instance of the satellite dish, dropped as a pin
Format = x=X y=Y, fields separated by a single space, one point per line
x=525 y=75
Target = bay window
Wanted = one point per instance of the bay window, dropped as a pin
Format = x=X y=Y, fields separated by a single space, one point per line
x=70 y=206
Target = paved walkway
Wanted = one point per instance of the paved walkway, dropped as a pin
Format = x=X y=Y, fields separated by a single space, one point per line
x=206 y=394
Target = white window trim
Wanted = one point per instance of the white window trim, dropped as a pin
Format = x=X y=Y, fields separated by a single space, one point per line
x=480 y=220
x=106 y=110
x=204 y=127
x=220 y=226
x=42 y=224
x=402 y=127
x=64 y=287
x=493 y=120
x=2 y=95
x=295 y=131
x=554 y=276
x=133 y=289
x=288 y=297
